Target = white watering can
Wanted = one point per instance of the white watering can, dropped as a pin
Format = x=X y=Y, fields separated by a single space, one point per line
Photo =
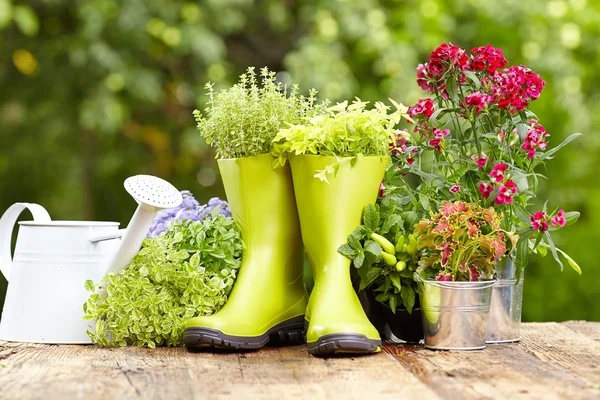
x=53 y=259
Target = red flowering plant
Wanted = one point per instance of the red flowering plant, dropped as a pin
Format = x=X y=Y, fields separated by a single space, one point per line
x=462 y=242
x=474 y=139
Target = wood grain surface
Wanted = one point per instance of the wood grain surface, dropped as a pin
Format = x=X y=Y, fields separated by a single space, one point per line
x=552 y=361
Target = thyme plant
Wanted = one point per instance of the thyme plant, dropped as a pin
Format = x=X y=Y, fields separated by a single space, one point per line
x=243 y=120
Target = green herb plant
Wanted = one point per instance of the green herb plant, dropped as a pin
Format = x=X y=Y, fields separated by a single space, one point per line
x=345 y=131
x=462 y=242
x=243 y=120
x=384 y=253
x=188 y=270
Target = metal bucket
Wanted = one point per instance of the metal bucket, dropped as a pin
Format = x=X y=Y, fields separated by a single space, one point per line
x=455 y=314
x=507 y=302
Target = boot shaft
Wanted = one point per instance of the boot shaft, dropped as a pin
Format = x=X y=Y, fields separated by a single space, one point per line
x=329 y=212
x=262 y=202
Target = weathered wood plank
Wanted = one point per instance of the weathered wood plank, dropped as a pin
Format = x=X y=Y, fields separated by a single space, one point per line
x=90 y=372
x=559 y=345
x=507 y=371
x=552 y=361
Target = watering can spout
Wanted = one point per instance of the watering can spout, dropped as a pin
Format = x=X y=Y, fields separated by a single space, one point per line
x=7 y=222
x=152 y=194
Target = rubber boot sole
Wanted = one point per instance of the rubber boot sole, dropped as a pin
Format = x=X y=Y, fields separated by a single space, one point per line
x=344 y=343
x=287 y=333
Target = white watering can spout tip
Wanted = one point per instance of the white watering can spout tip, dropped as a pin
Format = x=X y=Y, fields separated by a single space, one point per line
x=153 y=191
x=152 y=194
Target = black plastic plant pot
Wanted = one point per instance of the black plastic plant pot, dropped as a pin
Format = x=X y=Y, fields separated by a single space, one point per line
x=402 y=325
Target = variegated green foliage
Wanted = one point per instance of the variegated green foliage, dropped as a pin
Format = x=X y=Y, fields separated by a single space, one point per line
x=187 y=271
x=344 y=131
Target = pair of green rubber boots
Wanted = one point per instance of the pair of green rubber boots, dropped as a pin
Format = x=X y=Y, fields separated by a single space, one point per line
x=278 y=210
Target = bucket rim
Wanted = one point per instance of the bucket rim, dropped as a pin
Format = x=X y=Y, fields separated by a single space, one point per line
x=458 y=285
x=70 y=223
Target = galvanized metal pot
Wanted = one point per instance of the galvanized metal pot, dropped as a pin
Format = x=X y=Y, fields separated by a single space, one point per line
x=507 y=302
x=455 y=314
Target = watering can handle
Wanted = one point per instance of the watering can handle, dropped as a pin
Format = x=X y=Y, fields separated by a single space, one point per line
x=7 y=222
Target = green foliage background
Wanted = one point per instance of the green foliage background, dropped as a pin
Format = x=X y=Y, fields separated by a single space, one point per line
x=94 y=91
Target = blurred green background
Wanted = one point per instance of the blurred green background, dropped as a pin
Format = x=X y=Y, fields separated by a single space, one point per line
x=94 y=91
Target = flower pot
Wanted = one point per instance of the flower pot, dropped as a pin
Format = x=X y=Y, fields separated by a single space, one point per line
x=399 y=327
x=455 y=314
x=507 y=303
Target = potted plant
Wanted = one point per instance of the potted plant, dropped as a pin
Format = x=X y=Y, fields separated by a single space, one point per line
x=338 y=160
x=241 y=122
x=384 y=254
x=476 y=140
x=459 y=247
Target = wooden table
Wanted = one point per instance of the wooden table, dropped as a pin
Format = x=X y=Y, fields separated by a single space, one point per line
x=553 y=360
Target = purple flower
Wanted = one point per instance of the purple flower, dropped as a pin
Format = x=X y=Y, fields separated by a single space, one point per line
x=189 y=209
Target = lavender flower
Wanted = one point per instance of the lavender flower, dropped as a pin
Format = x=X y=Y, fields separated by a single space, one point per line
x=189 y=209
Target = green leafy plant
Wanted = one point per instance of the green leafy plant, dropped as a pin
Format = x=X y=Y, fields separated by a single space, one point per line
x=462 y=242
x=384 y=253
x=345 y=131
x=188 y=270
x=243 y=120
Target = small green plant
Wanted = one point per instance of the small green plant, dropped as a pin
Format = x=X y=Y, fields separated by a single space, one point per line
x=188 y=270
x=462 y=242
x=381 y=265
x=345 y=131
x=243 y=120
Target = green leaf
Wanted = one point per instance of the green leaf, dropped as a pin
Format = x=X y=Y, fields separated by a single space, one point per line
x=369 y=277
x=493 y=195
x=178 y=237
x=359 y=260
x=393 y=301
x=395 y=278
x=570 y=261
x=425 y=202
x=571 y=217
x=195 y=260
x=522 y=251
x=408 y=297
x=520 y=180
x=354 y=243
x=553 y=249
x=89 y=286
x=371 y=217
x=373 y=248
x=473 y=77
x=521 y=213
x=391 y=221
x=522 y=129
x=382 y=297
x=451 y=89
x=548 y=154
x=347 y=251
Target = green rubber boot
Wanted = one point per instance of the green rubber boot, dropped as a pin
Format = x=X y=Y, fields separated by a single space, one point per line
x=328 y=214
x=268 y=300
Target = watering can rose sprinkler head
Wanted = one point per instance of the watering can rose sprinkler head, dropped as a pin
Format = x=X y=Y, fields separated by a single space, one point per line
x=152 y=194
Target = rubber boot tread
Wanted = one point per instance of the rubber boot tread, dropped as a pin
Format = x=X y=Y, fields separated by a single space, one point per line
x=344 y=343
x=287 y=333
